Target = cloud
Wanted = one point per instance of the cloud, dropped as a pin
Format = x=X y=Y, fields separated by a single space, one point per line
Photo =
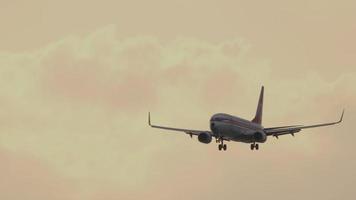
x=25 y=177
x=80 y=104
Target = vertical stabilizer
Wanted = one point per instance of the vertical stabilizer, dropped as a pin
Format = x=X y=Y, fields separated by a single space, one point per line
x=258 y=117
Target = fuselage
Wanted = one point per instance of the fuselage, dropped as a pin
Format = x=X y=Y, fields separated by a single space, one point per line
x=236 y=129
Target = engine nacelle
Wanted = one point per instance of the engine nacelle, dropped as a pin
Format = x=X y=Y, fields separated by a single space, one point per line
x=260 y=137
x=205 y=138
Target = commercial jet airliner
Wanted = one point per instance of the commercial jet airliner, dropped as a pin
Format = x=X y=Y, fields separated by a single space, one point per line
x=224 y=127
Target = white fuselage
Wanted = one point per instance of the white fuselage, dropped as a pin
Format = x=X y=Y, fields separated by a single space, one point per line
x=236 y=129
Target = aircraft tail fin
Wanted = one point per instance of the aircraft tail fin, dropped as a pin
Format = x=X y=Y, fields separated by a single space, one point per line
x=258 y=116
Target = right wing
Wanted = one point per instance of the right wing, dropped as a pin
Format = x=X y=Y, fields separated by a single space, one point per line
x=284 y=130
x=187 y=131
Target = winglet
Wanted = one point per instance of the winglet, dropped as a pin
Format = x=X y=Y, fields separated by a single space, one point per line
x=342 y=116
x=149 y=118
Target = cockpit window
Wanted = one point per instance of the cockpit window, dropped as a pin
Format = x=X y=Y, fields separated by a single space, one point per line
x=219 y=119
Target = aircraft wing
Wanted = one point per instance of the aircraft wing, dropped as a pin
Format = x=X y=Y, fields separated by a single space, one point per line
x=284 y=130
x=187 y=131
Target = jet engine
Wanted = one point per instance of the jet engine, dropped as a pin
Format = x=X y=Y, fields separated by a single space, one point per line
x=260 y=137
x=205 y=138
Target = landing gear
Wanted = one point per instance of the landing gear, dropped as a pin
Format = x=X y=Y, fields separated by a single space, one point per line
x=222 y=146
x=254 y=146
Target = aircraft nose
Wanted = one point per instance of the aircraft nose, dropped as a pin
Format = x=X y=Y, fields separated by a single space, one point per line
x=214 y=117
x=213 y=126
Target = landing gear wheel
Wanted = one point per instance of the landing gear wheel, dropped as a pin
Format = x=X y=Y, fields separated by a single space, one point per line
x=252 y=146
x=256 y=146
x=220 y=147
x=224 y=147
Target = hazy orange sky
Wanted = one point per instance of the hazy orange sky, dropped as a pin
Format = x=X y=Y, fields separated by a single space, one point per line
x=78 y=78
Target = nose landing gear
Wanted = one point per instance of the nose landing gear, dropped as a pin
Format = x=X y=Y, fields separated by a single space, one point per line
x=254 y=146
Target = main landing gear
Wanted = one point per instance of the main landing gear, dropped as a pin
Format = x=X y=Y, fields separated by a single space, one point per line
x=254 y=146
x=222 y=146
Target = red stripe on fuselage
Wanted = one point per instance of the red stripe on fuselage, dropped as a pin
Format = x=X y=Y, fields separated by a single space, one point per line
x=239 y=123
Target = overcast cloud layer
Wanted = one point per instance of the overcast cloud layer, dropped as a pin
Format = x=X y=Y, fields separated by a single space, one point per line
x=74 y=117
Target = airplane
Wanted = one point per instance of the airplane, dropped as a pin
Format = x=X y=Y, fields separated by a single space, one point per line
x=224 y=127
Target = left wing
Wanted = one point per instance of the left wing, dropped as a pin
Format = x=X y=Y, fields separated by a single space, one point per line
x=187 y=131
x=284 y=130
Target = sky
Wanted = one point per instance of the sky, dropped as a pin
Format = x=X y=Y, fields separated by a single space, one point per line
x=78 y=79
